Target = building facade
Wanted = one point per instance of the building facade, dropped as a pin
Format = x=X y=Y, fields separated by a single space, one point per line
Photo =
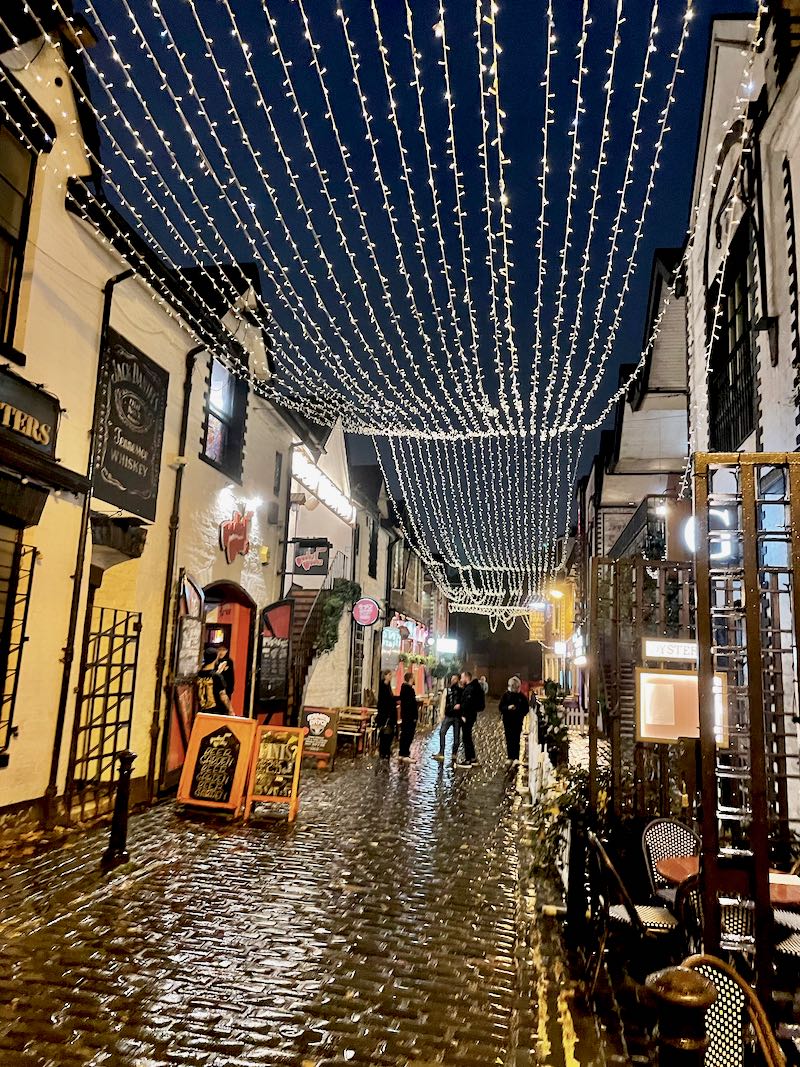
x=145 y=484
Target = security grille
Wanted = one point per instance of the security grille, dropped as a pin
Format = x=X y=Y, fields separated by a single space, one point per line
x=357 y=666
x=105 y=707
x=748 y=571
x=16 y=576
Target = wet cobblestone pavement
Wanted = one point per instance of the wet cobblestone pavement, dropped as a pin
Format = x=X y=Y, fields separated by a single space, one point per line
x=389 y=926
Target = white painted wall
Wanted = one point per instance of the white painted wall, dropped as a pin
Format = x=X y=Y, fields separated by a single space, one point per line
x=59 y=322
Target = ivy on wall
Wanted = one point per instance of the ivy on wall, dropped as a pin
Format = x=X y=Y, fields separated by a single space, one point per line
x=341 y=598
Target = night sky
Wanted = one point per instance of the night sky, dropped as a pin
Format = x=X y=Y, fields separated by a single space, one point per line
x=237 y=203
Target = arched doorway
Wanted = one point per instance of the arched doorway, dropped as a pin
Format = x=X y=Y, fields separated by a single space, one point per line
x=230 y=615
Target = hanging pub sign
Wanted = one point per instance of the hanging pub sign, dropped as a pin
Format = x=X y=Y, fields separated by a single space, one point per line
x=217 y=762
x=28 y=415
x=274 y=776
x=311 y=557
x=234 y=535
x=366 y=611
x=133 y=404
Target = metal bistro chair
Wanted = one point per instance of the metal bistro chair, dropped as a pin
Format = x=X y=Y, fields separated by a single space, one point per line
x=736 y=1023
x=662 y=838
x=650 y=922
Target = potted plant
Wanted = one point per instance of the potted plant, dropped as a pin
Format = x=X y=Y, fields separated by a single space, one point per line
x=555 y=737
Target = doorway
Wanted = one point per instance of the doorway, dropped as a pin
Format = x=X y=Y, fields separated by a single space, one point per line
x=230 y=620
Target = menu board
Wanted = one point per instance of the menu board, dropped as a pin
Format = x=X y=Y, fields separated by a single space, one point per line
x=217 y=761
x=320 y=725
x=274 y=776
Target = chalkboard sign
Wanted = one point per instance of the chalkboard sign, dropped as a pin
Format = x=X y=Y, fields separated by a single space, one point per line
x=217 y=761
x=131 y=427
x=320 y=725
x=273 y=656
x=274 y=776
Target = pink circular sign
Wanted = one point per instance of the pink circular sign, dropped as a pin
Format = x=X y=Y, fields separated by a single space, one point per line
x=366 y=611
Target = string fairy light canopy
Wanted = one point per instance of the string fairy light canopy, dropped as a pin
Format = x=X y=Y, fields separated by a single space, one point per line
x=446 y=242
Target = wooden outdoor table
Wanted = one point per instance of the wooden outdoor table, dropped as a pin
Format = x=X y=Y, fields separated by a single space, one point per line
x=784 y=889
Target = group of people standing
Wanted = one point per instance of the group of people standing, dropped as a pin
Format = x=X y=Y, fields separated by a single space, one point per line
x=465 y=698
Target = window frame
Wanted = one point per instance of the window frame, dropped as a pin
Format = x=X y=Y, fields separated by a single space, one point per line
x=9 y=309
x=372 y=546
x=232 y=465
x=733 y=368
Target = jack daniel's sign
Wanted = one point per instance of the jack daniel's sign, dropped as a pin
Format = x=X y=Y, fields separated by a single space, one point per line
x=130 y=427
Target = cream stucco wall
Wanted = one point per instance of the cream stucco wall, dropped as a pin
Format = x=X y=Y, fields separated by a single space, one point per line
x=58 y=328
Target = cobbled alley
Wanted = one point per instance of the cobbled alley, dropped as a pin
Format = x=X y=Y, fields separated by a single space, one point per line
x=388 y=926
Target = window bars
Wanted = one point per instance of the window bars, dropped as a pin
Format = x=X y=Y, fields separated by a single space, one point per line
x=16 y=576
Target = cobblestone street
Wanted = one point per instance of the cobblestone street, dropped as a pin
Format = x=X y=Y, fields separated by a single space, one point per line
x=387 y=927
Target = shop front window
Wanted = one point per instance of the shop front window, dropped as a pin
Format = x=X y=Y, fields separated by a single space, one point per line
x=16 y=179
x=225 y=414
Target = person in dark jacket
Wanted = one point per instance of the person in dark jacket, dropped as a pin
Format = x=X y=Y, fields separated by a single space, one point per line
x=386 y=716
x=513 y=709
x=451 y=719
x=408 y=716
x=472 y=702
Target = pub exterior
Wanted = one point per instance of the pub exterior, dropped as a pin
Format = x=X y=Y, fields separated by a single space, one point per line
x=144 y=486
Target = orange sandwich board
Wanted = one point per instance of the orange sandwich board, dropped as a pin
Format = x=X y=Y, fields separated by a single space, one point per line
x=274 y=776
x=217 y=760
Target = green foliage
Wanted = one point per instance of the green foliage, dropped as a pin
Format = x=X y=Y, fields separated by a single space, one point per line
x=341 y=597
x=551 y=815
x=555 y=737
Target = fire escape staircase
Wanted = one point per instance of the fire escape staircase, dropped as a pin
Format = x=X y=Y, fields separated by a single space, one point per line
x=309 y=607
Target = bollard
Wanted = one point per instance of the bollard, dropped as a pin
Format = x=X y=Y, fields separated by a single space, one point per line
x=117 y=852
x=681 y=997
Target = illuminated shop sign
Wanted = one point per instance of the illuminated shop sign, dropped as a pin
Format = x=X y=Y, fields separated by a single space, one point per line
x=668 y=706
x=669 y=649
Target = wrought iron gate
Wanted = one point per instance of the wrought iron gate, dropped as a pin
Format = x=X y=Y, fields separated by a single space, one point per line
x=16 y=575
x=104 y=712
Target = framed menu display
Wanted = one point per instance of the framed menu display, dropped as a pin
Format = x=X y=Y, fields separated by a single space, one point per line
x=274 y=775
x=320 y=725
x=217 y=762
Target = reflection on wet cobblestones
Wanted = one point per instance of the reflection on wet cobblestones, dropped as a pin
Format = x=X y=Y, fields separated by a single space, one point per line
x=386 y=927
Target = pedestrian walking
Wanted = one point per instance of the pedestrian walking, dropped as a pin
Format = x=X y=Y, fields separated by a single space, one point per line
x=451 y=720
x=484 y=687
x=408 y=716
x=472 y=702
x=212 y=696
x=513 y=709
x=386 y=716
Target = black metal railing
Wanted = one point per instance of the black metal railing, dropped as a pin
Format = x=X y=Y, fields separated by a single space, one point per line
x=16 y=576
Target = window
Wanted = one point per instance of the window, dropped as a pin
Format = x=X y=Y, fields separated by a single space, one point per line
x=226 y=408
x=16 y=181
x=731 y=383
x=372 y=559
x=398 y=570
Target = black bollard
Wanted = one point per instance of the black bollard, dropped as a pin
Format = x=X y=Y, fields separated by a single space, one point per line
x=117 y=852
x=681 y=997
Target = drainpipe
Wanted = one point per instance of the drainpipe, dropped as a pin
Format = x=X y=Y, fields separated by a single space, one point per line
x=286 y=514
x=174 y=522
x=51 y=792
